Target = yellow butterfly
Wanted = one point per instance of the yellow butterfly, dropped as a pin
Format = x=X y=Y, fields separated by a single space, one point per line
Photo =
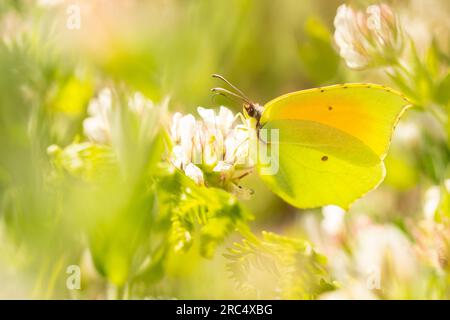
x=332 y=140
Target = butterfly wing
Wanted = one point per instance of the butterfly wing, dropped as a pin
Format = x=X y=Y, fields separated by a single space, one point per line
x=332 y=142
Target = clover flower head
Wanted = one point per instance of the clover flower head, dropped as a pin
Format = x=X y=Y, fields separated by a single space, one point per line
x=97 y=127
x=138 y=103
x=385 y=247
x=367 y=38
x=217 y=144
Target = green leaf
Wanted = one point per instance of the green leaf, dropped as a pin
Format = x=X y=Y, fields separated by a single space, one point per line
x=443 y=91
x=279 y=267
x=210 y=214
x=432 y=58
x=318 y=57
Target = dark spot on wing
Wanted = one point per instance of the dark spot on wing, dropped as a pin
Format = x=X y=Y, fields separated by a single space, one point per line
x=330 y=108
x=324 y=158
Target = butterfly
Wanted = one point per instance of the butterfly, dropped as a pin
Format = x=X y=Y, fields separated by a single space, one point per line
x=331 y=140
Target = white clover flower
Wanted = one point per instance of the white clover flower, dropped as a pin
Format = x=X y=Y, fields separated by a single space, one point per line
x=349 y=39
x=222 y=166
x=367 y=38
x=214 y=144
x=424 y=21
x=194 y=172
x=138 y=103
x=98 y=126
x=381 y=246
x=221 y=122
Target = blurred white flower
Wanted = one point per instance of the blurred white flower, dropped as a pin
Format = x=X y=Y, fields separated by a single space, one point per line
x=217 y=143
x=432 y=243
x=50 y=3
x=431 y=202
x=138 y=103
x=424 y=21
x=349 y=39
x=367 y=38
x=333 y=219
x=407 y=133
x=97 y=127
x=387 y=249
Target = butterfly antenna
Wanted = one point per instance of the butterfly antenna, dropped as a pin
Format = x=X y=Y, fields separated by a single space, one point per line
x=217 y=93
x=229 y=94
x=242 y=94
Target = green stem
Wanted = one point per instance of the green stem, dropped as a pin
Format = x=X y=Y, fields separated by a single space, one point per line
x=119 y=292
x=246 y=232
x=402 y=68
x=438 y=114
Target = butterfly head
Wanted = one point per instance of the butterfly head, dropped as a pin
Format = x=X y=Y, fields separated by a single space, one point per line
x=251 y=108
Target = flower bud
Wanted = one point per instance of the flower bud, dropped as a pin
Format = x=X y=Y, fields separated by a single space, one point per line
x=368 y=39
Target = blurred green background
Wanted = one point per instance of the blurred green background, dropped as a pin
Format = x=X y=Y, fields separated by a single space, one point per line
x=54 y=213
